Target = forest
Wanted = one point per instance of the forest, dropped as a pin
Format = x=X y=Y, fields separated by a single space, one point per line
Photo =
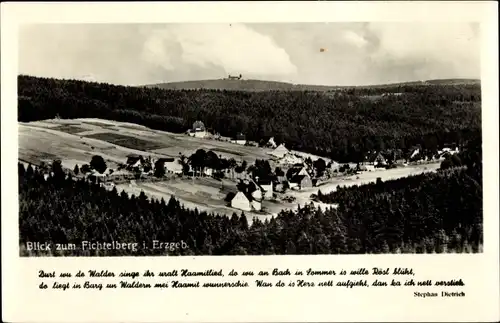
x=427 y=213
x=340 y=124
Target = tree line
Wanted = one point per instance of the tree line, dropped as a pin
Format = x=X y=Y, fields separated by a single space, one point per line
x=342 y=125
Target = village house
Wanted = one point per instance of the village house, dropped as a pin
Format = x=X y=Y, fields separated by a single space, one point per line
x=300 y=182
x=96 y=176
x=377 y=159
x=299 y=177
x=173 y=166
x=198 y=130
x=279 y=152
x=250 y=196
x=246 y=202
x=239 y=139
x=134 y=162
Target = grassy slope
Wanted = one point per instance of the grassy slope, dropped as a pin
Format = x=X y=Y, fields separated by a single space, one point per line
x=44 y=140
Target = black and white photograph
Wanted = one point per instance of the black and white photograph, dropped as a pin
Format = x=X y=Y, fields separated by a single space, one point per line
x=234 y=139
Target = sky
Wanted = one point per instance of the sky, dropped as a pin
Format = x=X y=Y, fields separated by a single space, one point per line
x=301 y=53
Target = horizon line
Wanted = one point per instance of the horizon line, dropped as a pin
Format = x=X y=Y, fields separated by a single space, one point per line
x=258 y=80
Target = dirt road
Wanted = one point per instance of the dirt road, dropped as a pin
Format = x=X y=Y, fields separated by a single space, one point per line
x=304 y=195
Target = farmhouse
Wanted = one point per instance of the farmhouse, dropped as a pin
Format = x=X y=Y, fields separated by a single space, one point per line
x=173 y=166
x=134 y=162
x=239 y=139
x=244 y=201
x=299 y=177
x=377 y=159
x=279 y=152
x=198 y=130
x=300 y=182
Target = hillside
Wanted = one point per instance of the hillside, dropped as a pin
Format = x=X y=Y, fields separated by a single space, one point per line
x=260 y=85
x=344 y=125
x=241 y=85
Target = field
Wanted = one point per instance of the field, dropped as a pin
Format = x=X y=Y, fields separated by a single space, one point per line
x=68 y=128
x=79 y=139
x=127 y=141
x=76 y=141
x=45 y=141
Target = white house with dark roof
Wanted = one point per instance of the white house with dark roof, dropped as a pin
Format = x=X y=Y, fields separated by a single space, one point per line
x=245 y=202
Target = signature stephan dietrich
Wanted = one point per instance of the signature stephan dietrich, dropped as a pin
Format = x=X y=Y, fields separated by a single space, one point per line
x=443 y=294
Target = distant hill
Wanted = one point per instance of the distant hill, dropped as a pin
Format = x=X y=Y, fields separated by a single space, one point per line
x=242 y=85
x=259 y=85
